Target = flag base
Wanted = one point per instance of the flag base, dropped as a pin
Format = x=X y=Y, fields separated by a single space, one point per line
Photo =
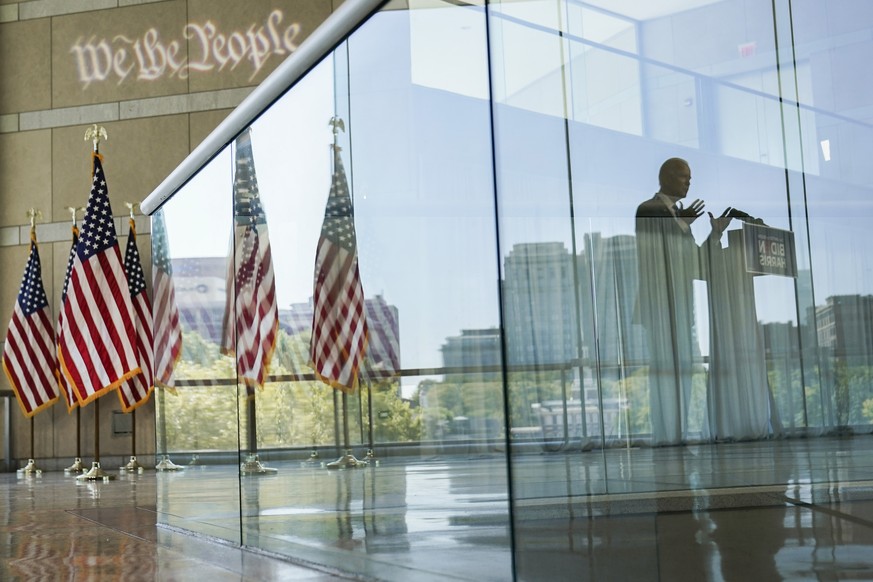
x=30 y=469
x=77 y=467
x=371 y=457
x=347 y=461
x=96 y=474
x=167 y=465
x=312 y=460
x=253 y=466
x=132 y=466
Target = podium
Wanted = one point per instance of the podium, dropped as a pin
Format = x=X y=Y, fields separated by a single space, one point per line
x=740 y=405
x=766 y=250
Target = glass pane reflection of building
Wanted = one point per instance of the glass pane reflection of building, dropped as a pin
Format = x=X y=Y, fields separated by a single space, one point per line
x=620 y=251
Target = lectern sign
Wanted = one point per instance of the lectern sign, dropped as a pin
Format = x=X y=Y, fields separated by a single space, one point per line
x=769 y=251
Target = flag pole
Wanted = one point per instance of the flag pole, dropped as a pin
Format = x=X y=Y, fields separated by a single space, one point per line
x=370 y=453
x=347 y=459
x=77 y=466
x=252 y=465
x=31 y=468
x=132 y=465
x=95 y=133
x=96 y=472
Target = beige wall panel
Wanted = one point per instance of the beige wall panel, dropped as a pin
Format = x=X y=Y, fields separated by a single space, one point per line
x=64 y=432
x=25 y=66
x=25 y=180
x=202 y=124
x=120 y=54
x=43 y=432
x=224 y=54
x=140 y=153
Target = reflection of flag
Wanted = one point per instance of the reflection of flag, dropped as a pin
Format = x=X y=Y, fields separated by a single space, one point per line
x=97 y=339
x=66 y=388
x=251 y=320
x=339 y=323
x=137 y=390
x=29 y=355
x=168 y=332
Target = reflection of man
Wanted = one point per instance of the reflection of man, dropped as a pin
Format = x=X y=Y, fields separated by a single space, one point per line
x=669 y=261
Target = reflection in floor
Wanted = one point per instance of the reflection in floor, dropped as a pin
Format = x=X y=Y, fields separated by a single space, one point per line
x=780 y=510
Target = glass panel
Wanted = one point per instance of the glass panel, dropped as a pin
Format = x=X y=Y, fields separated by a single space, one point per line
x=832 y=48
x=650 y=308
x=425 y=410
x=196 y=400
x=536 y=304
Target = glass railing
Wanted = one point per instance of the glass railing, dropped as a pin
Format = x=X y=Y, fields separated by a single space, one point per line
x=426 y=291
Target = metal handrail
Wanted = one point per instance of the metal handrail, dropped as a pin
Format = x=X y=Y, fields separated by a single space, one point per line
x=336 y=28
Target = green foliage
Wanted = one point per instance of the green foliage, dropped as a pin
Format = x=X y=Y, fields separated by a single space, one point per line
x=305 y=413
x=289 y=414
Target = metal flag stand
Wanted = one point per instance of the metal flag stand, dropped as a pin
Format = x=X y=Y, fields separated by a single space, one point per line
x=77 y=466
x=347 y=460
x=30 y=468
x=96 y=473
x=132 y=465
x=252 y=465
x=95 y=133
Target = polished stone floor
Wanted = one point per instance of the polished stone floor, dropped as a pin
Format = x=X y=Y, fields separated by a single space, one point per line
x=779 y=510
x=53 y=528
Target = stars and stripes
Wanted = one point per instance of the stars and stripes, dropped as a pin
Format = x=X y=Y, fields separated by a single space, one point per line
x=339 y=322
x=66 y=388
x=97 y=339
x=167 y=330
x=29 y=354
x=251 y=322
x=136 y=391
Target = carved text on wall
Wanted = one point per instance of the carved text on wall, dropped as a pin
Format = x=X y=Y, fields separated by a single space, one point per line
x=149 y=57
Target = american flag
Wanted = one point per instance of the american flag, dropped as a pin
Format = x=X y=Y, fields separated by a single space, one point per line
x=251 y=321
x=168 y=332
x=339 y=322
x=66 y=388
x=97 y=340
x=136 y=391
x=29 y=355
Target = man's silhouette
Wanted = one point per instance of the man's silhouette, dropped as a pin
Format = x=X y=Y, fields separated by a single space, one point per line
x=669 y=261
